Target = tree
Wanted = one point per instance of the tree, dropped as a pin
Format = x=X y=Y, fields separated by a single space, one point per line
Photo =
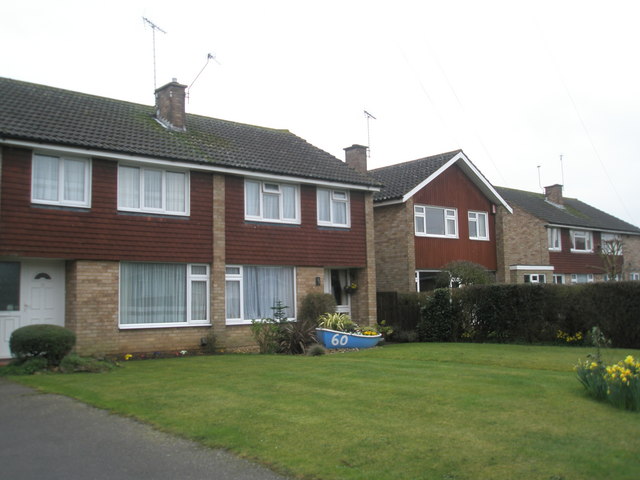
x=463 y=272
x=610 y=252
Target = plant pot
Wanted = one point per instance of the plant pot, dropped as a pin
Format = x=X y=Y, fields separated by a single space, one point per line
x=336 y=339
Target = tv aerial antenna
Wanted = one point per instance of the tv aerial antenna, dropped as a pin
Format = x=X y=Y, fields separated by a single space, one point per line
x=368 y=116
x=154 y=27
x=210 y=56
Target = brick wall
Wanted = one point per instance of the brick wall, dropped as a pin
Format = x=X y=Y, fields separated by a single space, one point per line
x=395 y=248
x=522 y=240
x=631 y=253
x=92 y=313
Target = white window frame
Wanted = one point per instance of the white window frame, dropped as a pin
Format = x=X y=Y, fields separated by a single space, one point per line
x=535 y=278
x=558 y=279
x=554 y=239
x=478 y=218
x=448 y=214
x=335 y=198
x=574 y=278
x=60 y=200
x=634 y=276
x=163 y=210
x=239 y=276
x=266 y=188
x=588 y=240
x=190 y=279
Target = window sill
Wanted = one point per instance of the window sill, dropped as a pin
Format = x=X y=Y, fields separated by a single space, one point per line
x=138 y=326
x=581 y=251
x=58 y=206
x=450 y=237
x=480 y=239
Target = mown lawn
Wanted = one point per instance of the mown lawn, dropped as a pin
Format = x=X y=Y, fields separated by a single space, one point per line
x=413 y=411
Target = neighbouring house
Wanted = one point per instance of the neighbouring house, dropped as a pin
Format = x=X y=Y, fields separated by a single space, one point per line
x=145 y=228
x=549 y=238
x=430 y=212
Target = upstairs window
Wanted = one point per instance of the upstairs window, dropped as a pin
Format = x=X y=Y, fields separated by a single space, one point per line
x=333 y=207
x=581 y=241
x=553 y=236
x=611 y=244
x=60 y=181
x=478 y=226
x=271 y=202
x=435 y=221
x=150 y=190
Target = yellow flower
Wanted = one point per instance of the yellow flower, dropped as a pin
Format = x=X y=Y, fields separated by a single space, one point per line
x=629 y=360
x=128 y=356
x=594 y=365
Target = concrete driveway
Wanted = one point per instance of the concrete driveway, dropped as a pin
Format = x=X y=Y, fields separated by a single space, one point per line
x=45 y=436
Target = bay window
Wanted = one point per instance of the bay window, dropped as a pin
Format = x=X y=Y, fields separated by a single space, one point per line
x=271 y=202
x=163 y=294
x=151 y=190
x=60 y=181
x=251 y=292
x=435 y=221
x=333 y=207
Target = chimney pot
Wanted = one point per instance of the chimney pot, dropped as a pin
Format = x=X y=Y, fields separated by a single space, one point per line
x=553 y=194
x=170 y=106
x=356 y=157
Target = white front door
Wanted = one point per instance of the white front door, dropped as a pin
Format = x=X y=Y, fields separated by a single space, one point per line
x=335 y=281
x=32 y=292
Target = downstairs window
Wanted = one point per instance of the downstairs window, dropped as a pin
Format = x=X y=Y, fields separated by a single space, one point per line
x=163 y=295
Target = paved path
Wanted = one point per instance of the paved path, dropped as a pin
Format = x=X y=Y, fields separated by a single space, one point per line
x=52 y=437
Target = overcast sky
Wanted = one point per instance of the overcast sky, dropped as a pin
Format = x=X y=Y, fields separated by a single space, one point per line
x=515 y=84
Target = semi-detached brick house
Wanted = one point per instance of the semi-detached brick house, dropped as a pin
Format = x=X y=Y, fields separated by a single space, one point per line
x=550 y=238
x=144 y=228
x=430 y=212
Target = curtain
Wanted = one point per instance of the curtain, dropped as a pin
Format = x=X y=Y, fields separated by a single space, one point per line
x=45 y=178
x=232 y=297
x=271 y=203
x=263 y=287
x=175 y=192
x=198 y=300
x=129 y=187
x=288 y=201
x=252 y=198
x=152 y=189
x=340 y=213
x=324 y=206
x=152 y=293
x=74 y=174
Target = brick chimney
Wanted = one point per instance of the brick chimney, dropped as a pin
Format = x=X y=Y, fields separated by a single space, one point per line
x=170 y=100
x=553 y=194
x=356 y=157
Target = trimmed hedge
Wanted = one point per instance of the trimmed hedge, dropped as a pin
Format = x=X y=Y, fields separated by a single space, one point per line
x=49 y=341
x=533 y=313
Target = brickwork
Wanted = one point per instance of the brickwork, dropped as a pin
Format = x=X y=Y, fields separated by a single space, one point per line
x=170 y=105
x=395 y=247
x=631 y=253
x=92 y=313
x=218 y=312
x=522 y=240
x=364 y=309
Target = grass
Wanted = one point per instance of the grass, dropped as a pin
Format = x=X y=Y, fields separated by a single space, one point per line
x=412 y=411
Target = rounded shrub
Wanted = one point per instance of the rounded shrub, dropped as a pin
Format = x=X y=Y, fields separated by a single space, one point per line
x=49 y=341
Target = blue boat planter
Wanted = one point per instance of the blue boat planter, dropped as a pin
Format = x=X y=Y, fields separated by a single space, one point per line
x=336 y=339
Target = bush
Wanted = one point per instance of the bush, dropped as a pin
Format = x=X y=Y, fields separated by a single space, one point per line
x=73 y=363
x=208 y=343
x=294 y=337
x=439 y=318
x=316 y=350
x=315 y=304
x=49 y=341
x=27 y=366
